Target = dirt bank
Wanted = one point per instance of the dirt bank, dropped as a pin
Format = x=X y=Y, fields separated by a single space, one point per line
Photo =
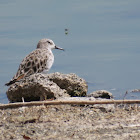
x=66 y=122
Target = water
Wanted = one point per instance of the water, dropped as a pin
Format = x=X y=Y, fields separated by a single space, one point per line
x=102 y=44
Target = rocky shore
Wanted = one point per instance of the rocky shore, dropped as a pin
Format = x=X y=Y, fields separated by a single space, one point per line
x=58 y=122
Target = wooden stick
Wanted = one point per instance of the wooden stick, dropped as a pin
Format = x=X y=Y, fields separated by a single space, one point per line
x=38 y=103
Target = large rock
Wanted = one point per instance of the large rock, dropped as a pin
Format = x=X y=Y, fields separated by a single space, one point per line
x=34 y=88
x=47 y=86
x=74 y=85
x=101 y=94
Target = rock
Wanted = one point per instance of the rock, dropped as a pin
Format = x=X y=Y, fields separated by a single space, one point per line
x=74 y=85
x=34 y=88
x=101 y=94
x=47 y=86
x=135 y=90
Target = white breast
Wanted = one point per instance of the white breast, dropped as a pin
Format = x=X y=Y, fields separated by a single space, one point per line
x=49 y=62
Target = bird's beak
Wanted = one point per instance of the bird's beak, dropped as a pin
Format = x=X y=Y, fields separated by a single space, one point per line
x=59 y=48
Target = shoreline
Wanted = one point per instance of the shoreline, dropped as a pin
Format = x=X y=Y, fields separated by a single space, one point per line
x=78 y=101
x=58 y=122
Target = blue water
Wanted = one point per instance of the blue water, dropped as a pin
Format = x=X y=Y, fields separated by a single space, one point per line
x=102 y=45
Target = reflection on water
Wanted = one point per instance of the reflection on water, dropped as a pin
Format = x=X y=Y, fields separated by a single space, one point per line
x=102 y=44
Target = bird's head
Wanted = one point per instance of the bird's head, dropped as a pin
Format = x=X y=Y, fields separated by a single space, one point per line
x=47 y=44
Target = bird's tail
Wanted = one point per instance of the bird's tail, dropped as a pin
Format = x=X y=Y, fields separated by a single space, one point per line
x=11 y=82
x=14 y=80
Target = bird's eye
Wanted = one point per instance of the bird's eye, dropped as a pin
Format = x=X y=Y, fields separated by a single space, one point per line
x=49 y=42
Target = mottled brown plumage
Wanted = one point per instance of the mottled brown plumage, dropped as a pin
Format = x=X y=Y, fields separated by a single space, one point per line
x=38 y=61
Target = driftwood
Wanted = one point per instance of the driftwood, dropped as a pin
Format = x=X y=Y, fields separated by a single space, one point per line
x=38 y=103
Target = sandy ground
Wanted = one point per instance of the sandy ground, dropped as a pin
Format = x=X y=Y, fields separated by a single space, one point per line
x=69 y=122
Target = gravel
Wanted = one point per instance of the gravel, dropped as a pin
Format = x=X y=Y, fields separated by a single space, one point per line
x=59 y=122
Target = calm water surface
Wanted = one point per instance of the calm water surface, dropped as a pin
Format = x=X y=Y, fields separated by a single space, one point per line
x=102 y=45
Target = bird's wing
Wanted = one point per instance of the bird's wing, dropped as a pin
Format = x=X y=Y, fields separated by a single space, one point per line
x=35 y=62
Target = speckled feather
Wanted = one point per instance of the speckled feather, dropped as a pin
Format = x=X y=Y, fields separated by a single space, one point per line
x=38 y=61
x=35 y=62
